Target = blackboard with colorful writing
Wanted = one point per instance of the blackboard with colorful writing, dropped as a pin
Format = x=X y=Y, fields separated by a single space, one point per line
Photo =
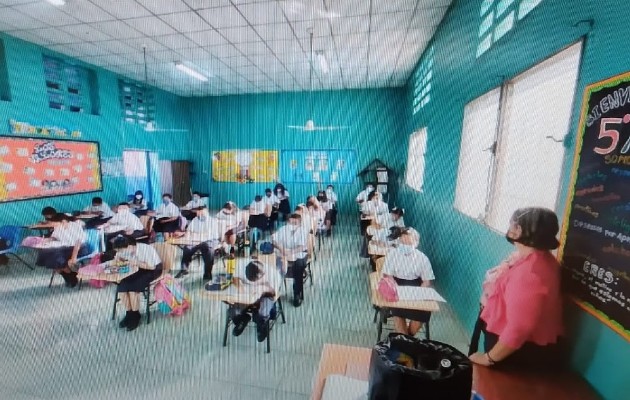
x=596 y=236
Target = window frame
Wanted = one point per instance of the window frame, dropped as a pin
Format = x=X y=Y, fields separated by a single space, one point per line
x=422 y=135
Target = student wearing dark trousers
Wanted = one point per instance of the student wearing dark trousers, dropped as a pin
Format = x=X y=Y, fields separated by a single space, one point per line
x=291 y=244
x=204 y=228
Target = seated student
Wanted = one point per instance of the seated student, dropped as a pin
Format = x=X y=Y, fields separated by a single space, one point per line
x=131 y=288
x=188 y=211
x=332 y=198
x=265 y=279
x=284 y=208
x=381 y=228
x=166 y=217
x=232 y=220
x=99 y=208
x=138 y=204
x=258 y=221
x=271 y=207
x=206 y=229
x=48 y=213
x=291 y=244
x=122 y=223
x=70 y=238
x=327 y=206
x=318 y=214
x=409 y=267
x=362 y=197
x=308 y=224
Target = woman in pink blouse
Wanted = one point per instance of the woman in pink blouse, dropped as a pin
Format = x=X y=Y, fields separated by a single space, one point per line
x=521 y=305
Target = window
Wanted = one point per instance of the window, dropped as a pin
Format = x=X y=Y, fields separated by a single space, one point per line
x=498 y=17
x=5 y=89
x=512 y=147
x=137 y=102
x=142 y=172
x=414 y=175
x=422 y=81
x=67 y=85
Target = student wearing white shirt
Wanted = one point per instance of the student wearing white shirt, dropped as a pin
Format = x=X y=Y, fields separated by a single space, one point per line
x=272 y=203
x=188 y=211
x=123 y=222
x=318 y=214
x=68 y=242
x=362 y=197
x=284 y=208
x=291 y=244
x=332 y=198
x=232 y=218
x=206 y=229
x=381 y=232
x=138 y=204
x=258 y=220
x=307 y=221
x=167 y=217
x=260 y=277
x=131 y=288
x=327 y=206
x=100 y=209
x=409 y=267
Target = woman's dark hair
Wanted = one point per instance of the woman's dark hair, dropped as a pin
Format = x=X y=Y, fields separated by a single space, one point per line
x=398 y=211
x=167 y=195
x=321 y=196
x=61 y=217
x=252 y=271
x=258 y=198
x=279 y=188
x=229 y=206
x=371 y=195
x=139 y=192
x=539 y=227
x=310 y=201
x=122 y=241
x=137 y=201
x=48 y=211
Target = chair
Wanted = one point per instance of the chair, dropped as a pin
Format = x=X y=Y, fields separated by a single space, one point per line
x=269 y=325
x=94 y=242
x=12 y=235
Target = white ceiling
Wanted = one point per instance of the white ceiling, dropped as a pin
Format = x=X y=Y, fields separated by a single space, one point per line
x=245 y=46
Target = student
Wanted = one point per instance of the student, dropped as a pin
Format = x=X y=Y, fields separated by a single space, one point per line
x=167 y=217
x=375 y=207
x=258 y=221
x=271 y=207
x=291 y=244
x=48 y=213
x=232 y=220
x=206 y=229
x=265 y=279
x=362 y=197
x=188 y=211
x=396 y=218
x=332 y=198
x=409 y=267
x=131 y=288
x=307 y=221
x=284 y=208
x=70 y=240
x=99 y=208
x=138 y=204
x=318 y=214
x=123 y=223
x=327 y=206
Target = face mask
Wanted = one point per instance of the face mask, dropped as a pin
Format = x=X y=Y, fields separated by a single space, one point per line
x=123 y=210
x=166 y=201
x=293 y=228
x=370 y=189
x=126 y=255
x=405 y=248
x=196 y=198
x=329 y=191
x=138 y=196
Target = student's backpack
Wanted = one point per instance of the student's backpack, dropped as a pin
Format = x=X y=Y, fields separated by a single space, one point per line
x=388 y=289
x=171 y=297
x=266 y=248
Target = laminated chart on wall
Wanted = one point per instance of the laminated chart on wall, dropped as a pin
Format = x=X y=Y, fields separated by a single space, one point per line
x=37 y=167
x=595 y=255
x=245 y=166
x=318 y=166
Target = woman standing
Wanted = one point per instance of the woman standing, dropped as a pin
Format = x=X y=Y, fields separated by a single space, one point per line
x=283 y=196
x=521 y=305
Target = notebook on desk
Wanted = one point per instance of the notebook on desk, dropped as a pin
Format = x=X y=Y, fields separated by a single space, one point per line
x=415 y=293
x=339 y=387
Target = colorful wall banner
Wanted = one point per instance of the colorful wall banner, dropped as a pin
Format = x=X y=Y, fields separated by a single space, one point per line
x=245 y=166
x=318 y=166
x=39 y=167
x=596 y=235
x=24 y=128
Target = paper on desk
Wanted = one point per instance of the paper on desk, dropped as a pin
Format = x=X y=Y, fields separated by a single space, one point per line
x=412 y=293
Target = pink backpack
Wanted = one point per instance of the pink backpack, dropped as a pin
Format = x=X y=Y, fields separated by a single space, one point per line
x=388 y=289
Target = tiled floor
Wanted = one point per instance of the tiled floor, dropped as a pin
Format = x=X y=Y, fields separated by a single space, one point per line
x=59 y=343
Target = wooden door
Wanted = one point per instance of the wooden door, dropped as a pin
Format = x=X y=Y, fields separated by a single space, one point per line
x=181 y=182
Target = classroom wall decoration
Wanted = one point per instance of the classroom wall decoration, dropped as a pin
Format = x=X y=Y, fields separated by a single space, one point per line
x=318 y=166
x=245 y=166
x=113 y=167
x=596 y=235
x=41 y=167
x=24 y=128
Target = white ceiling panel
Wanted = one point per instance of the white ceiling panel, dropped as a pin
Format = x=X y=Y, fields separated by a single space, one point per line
x=201 y=4
x=241 y=34
x=223 y=17
x=348 y=8
x=275 y=32
x=175 y=42
x=390 y=21
x=85 y=11
x=151 y=45
x=116 y=47
x=46 y=13
x=207 y=38
x=56 y=35
x=262 y=13
x=23 y=21
x=349 y=25
x=393 y=6
x=159 y=7
x=252 y=48
x=117 y=29
x=123 y=9
x=150 y=26
x=224 y=51
x=85 y=32
x=186 y=22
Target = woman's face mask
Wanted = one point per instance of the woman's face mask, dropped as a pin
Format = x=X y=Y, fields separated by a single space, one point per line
x=166 y=201
x=196 y=198
x=138 y=196
x=405 y=248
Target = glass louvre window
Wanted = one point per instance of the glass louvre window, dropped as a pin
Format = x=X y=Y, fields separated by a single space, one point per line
x=66 y=85
x=422 y=79
x=137 y=102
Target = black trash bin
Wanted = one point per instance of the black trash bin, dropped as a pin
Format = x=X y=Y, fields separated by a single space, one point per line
x=405 y=368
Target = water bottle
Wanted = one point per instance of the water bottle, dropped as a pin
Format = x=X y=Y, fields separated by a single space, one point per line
x=476 y=396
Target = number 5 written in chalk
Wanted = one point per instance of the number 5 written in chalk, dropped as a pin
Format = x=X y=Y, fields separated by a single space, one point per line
x=613 y=135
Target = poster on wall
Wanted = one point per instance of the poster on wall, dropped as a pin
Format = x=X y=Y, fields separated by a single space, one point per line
x=318 y=166
x=245 y=166
x=38 y=167
x=596 y=235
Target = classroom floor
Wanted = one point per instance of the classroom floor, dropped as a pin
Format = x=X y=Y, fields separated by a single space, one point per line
x=60 y=343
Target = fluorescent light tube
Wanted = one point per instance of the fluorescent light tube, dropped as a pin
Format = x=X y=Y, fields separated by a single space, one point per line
x=323 y=63
x=191 y=72
x=57 y=2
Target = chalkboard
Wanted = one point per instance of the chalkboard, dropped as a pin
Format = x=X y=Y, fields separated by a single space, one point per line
x=596 y=236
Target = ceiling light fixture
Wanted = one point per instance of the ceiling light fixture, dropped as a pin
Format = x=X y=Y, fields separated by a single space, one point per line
x=195 y=74
x=323 y=63
x=57 y=2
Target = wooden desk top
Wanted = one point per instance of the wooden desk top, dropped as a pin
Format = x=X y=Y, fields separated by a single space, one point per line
x=185 y=241
x=87 y=216
x=377 y=299
x=116 y=278
x=376 y=248
x=491 y=384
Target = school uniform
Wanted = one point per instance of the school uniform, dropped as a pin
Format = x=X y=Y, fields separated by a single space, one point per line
x=233 y=222
x=332 y=199
x=266 y=304
x=362 y=196
x=120 y=224
x=139 y=281
x=187 y=209
x=257 y=217
x=408 y=268
x=319 y=216
x=139 y=207
x=106 y=214
x=163 y=212
x=293 y=240
x=67 y=236
x=284 y=207
x=207 y=229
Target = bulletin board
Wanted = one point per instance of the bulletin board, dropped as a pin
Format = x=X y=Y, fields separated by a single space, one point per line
x=595 y=254
x=39 y=167
x=245 y=166
x=315 y=166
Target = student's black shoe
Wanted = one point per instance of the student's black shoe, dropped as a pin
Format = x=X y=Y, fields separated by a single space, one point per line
x=181 y=273
x=134 y=321
x=297 y=300
x=240 y=323
x=261 y=331
x=207 y=277
x=72 y=279
x=123 y=322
